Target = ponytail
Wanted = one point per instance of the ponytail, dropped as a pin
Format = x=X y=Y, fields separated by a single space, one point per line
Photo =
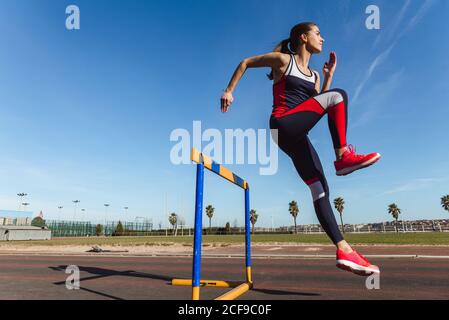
x=282 y=47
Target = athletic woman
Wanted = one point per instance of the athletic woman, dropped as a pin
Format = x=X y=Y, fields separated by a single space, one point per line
x=298 y=105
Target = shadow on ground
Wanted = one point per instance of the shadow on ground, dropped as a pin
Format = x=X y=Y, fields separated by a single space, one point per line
x=99 y=273
x=286 y=293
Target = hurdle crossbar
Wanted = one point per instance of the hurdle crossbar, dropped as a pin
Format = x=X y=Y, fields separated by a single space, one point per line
x=239 y=288
x=217 y=168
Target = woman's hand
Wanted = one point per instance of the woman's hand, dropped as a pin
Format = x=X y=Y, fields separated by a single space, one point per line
x=226 y=101
x=329 y=67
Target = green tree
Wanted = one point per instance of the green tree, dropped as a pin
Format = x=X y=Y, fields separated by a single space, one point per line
x=173 y=219
x=38 y=222
x=228 y=228
x=339 y=206
x=119 y=230
x=294 y=211
x=99 y=230
x=253 y=218
x=445 y=202
x=210 y=213
x=395 y=212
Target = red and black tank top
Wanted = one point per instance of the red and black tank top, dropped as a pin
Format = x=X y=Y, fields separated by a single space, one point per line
x=293 y=88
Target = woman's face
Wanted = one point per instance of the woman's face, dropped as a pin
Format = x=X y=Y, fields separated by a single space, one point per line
x=314 y=41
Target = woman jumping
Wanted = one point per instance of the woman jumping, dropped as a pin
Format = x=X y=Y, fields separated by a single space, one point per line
x=298 y=105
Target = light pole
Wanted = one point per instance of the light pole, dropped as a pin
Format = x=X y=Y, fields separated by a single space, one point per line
x=21 y=195
x=106 y=205
x=167 y=215
x=83 y=211
x=25 y=204
x=59 y=212
x=76 y=204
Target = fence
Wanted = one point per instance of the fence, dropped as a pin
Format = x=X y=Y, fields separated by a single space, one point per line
x=402 y=226
x=85 y=229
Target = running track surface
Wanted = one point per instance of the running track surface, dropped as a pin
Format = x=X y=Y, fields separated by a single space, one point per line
x=43 y=277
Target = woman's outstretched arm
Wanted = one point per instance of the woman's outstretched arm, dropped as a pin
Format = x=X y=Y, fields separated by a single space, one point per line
x=273 y=60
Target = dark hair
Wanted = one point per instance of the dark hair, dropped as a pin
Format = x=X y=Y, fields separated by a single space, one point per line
x=290 y=44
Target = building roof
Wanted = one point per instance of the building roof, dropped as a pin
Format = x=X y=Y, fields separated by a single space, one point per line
x=21 y=228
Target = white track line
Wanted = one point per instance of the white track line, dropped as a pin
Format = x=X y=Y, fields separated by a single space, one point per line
x=255 y=256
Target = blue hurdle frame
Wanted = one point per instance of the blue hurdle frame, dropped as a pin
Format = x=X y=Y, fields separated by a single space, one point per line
x=196 y=282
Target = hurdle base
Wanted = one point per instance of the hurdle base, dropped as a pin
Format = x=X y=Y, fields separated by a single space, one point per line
x=239 y=288
x=207 y=283
x=236 y=292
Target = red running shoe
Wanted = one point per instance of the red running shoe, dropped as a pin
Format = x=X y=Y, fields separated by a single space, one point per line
x=350 y=161
x=356 y=263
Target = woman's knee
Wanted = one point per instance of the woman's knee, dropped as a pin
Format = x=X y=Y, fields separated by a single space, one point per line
x=341 y=94
x=332 y=98
x=318 y=188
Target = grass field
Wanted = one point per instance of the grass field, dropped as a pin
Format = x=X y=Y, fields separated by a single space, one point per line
x=429 y=238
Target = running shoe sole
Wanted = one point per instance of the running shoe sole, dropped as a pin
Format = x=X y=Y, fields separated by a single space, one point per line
x=346 y=171
x=355 y=268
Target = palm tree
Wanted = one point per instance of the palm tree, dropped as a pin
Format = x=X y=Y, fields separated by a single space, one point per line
x=395 y=212
x=339 y=205
x=294 y=211
x=210 y=213
x=253 y=217
x=445 y=202
x=173 y=219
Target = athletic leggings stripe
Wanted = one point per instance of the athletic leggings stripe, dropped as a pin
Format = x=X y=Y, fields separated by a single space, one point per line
x=309 y=182
x=308 y=105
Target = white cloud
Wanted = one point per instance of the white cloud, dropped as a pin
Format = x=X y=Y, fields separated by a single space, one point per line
x=418 y=17
x=387 y=33
x=384 y=55
x=377 y=98
x=414 y=185
x=377 y=61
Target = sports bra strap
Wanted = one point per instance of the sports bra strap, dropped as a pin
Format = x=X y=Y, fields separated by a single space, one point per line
x=290 y=65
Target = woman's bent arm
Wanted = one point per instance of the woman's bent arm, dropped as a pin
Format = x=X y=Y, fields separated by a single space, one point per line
x=273 y=60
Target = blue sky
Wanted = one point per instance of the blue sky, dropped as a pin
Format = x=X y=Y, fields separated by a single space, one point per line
x=87 y=114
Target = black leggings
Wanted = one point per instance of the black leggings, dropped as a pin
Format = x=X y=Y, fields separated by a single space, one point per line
x=292 y=138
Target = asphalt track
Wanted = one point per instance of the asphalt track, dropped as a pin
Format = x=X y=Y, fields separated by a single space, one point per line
x=38 y=277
